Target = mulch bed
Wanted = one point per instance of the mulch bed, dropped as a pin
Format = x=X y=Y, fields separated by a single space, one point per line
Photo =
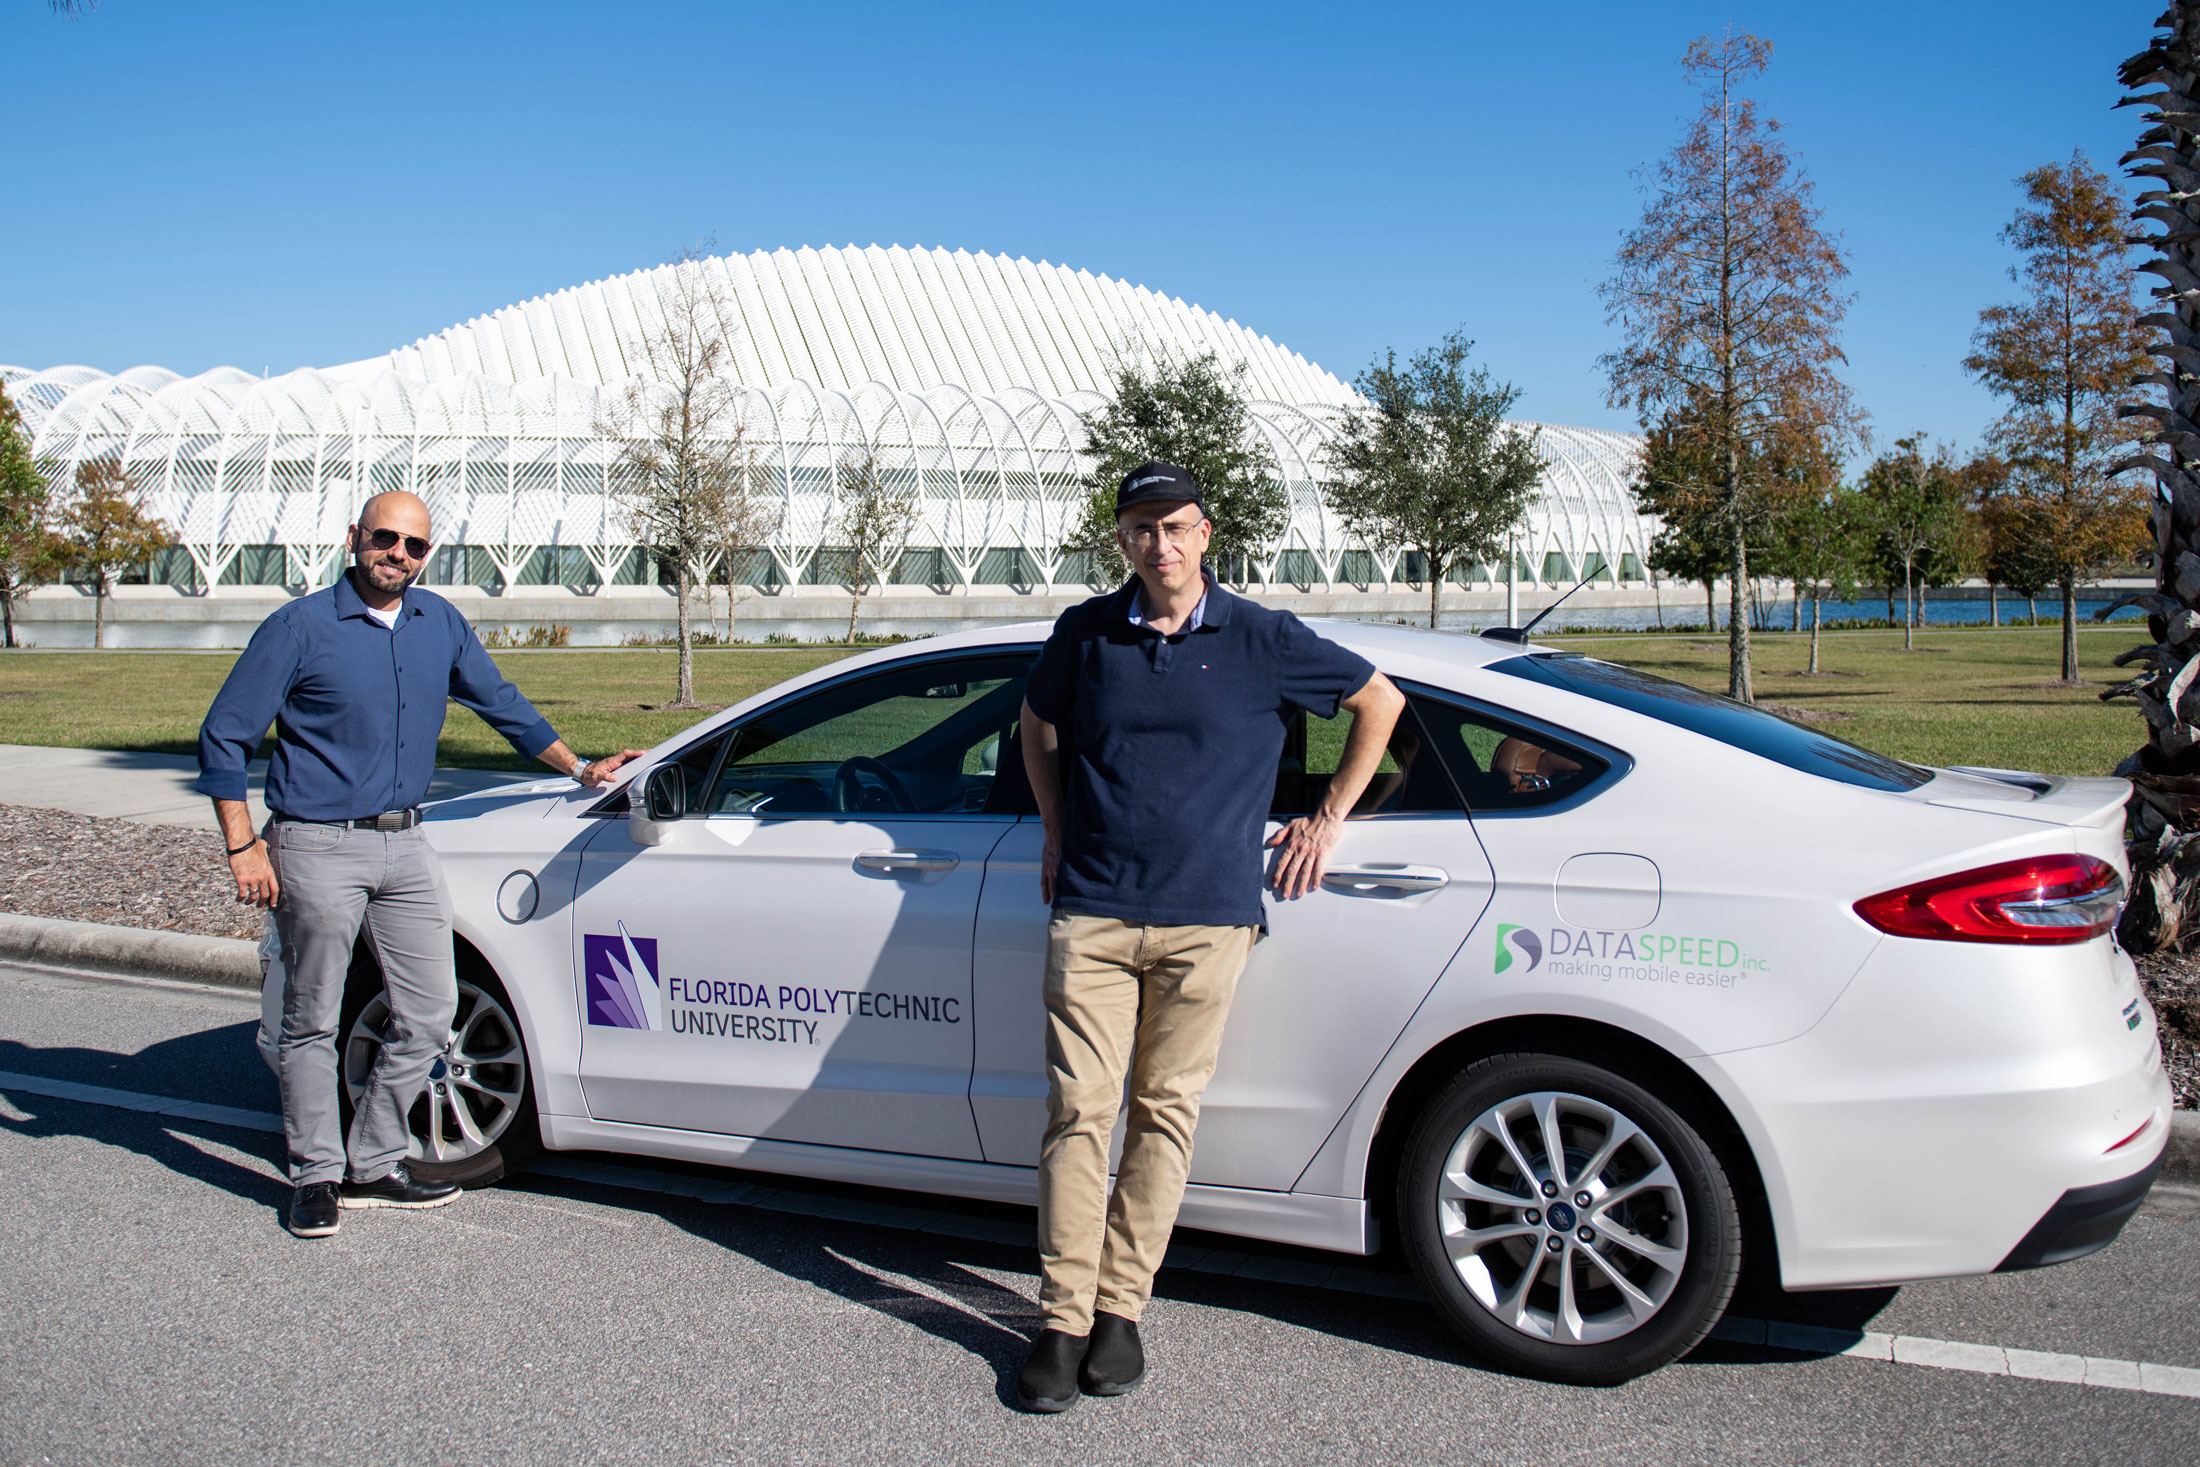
x=88 y=869
x=54 y=863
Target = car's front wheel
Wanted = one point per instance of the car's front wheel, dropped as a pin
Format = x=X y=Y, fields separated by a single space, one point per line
x=475 y=1119
x=1570 y=1224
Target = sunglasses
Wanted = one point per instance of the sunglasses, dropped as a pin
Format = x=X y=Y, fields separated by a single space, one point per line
x=415 y=547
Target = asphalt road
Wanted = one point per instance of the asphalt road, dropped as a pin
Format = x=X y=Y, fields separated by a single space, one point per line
x=154 y=1310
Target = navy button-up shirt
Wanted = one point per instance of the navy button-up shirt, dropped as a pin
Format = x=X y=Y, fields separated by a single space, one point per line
x=357 y=706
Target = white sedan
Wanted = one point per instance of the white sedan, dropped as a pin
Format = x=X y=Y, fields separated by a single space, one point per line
x=1612 y=986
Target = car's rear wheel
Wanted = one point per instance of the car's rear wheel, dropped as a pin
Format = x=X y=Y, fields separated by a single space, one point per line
x=1568 y=1222
x=475 y=1119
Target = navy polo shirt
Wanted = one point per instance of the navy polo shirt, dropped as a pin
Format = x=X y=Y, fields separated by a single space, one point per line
x=1169 y=751
x=357 y=706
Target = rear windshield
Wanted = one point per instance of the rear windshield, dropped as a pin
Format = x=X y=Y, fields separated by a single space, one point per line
x=1715 y=717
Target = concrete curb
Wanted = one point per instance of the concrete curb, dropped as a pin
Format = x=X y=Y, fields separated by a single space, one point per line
x=180 y=957
x=231 y=962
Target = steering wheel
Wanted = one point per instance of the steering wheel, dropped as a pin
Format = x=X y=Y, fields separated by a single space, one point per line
x=849 y=792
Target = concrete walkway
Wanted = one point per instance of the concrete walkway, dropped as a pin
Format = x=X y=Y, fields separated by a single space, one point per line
x=155 y=789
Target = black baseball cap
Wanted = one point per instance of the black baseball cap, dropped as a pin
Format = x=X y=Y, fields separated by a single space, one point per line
x=1152 y=481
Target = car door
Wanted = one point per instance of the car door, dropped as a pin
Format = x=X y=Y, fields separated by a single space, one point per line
x=1323 y=995
x=793 y=961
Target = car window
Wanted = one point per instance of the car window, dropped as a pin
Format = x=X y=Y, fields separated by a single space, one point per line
x=1502 y=766
x=1410 y=780
x=1735 y=724
x=934 y=738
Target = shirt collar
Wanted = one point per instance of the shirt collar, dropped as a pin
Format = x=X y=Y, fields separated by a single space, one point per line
x=349 y=604
x=1213 y=608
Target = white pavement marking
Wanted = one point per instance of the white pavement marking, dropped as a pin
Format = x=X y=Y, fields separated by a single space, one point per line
x=1808 y=1339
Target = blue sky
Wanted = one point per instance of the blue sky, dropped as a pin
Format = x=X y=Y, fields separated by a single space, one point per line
x=272 y=186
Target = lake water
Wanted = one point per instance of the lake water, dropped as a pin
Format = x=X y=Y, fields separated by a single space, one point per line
x=1680 y=613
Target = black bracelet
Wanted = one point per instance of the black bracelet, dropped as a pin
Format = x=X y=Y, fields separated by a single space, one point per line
x=248 y=845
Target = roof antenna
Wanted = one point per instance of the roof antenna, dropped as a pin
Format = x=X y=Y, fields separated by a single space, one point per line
x=1520 y=634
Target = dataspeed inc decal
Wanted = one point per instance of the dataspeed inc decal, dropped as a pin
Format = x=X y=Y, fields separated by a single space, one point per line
x=626 y=989
x=1691 y=961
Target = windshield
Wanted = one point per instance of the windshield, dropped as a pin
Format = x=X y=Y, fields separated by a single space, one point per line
x=1716 y=717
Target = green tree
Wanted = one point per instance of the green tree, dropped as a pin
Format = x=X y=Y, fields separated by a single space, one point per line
x=1726 y=295
x=2062 y=358
x=1820 y=542
x=1914 y=501
x=1191 y=413
x=876 y=512
x=1676 y=484
x=106 y=533
x=1433 y=465
x=27 y=551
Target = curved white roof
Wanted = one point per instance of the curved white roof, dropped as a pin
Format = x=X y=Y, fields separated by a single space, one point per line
x=970 y=371
x=908 y=319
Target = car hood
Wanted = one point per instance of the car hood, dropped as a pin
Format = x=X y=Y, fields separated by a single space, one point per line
x=506 y=802
x=2052 y=799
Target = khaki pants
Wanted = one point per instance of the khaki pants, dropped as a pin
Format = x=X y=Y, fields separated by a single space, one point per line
x=1146 y=1002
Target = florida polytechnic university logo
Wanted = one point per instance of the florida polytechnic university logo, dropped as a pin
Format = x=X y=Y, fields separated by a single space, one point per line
x=1514 y=939
x=624 y=991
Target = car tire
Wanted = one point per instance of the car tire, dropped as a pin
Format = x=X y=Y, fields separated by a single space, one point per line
x=486 y=1072
x=1587 y=1293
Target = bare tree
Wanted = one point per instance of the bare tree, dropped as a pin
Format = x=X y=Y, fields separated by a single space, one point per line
x=876 y=512
x=748 y=522
x=106 y=532
x=680 y=446
x=2064 y=357
x=1434 y=466
x=1726 y=294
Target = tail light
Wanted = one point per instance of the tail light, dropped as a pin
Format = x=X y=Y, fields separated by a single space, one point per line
x=2046 y=899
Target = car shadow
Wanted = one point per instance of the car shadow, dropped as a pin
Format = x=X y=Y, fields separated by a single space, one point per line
x=939 y=1284
x=210 y=1067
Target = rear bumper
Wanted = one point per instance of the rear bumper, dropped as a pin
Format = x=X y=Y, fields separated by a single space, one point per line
x=1955 y=1113
x=2085 y=1220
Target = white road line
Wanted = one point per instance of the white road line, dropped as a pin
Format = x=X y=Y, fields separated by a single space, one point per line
x=2118 y=1375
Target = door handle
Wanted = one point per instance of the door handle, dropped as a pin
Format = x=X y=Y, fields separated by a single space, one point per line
x=1385 y=878
x=909 y=860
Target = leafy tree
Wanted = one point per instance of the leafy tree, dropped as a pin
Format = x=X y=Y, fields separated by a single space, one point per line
x=1914 y=503
x=1673 y=484
x=877 y=510
x=106 y=532
x=679 y=446
x=28 y=555
x=1726 y=295
x=1433 y=465
x=2063 y=357
x=1191 y=413
x=1821 y=542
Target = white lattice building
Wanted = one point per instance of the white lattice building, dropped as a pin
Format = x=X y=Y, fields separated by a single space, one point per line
x=971 y=369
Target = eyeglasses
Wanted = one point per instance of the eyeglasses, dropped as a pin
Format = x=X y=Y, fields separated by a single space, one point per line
x=415 y=547
x=1177 y=533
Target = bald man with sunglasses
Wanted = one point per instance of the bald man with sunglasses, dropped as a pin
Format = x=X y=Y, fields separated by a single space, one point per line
x=355 y=678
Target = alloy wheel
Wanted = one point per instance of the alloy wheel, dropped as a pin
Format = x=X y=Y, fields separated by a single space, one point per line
x=1562 y=1218
x=475 y=1086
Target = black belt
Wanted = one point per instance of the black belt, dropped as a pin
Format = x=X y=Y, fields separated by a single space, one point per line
x=388 y=820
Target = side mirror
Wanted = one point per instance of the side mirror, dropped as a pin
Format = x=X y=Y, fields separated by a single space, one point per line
x=652 y=809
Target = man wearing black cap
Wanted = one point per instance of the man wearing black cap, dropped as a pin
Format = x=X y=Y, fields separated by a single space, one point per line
x=1152 y=726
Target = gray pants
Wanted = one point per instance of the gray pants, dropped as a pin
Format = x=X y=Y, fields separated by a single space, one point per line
x=333 y=879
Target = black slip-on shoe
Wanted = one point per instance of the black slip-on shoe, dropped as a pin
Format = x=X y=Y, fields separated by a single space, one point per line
x=1114 y=1360
x=399 y=1189
x=1048 y=1381
x=313 y=1210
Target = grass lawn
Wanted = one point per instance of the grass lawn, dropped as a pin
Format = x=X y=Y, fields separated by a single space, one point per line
x=1964 y=697
x=600 y=701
